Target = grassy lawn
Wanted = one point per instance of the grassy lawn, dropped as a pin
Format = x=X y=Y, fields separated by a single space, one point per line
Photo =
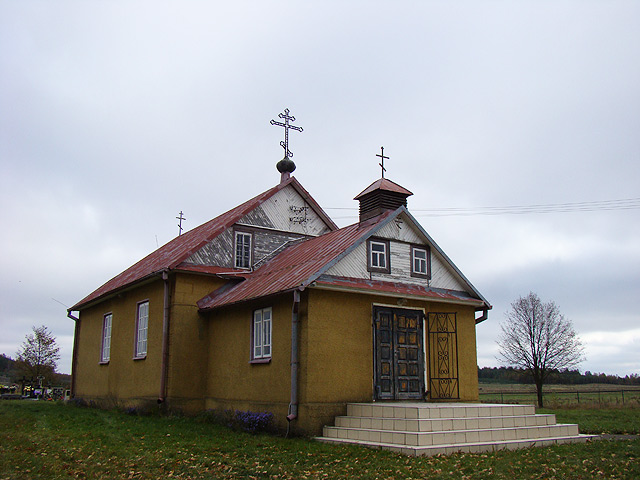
x=53 y=440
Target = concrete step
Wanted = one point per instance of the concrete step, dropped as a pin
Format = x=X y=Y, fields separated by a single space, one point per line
x=450 y=437
x=436 y=410
x=429 y=429
x=448 y=449
x=440 y=424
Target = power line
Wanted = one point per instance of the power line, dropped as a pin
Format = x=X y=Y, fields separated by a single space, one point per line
x=572 y=207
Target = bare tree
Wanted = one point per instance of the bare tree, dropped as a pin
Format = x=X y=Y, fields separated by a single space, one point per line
x=538 y=338
x=39 y=354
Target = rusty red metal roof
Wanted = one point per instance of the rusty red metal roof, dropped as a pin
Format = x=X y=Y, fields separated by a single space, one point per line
x=174 y=253
x=395 y=288
x=384 y=184
x=295 y=267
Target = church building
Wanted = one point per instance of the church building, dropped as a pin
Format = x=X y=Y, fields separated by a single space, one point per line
x=270 y=307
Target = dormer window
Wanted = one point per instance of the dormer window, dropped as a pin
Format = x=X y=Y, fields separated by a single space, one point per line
x=243 y=250
x=420 y=261
x=378 y=256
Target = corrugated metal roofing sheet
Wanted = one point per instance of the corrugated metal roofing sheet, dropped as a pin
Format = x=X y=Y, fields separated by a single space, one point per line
x=400 y=289
x=295 y=266
x=180 y=248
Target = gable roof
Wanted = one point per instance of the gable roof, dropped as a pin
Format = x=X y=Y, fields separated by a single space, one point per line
x=296 y=266
x=174 y=253
x=301 y=264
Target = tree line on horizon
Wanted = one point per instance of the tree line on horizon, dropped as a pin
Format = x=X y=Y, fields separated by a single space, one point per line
x=557 y=377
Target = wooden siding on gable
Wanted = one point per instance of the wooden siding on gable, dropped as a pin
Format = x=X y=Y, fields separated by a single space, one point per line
x=400 y=230
x=258 y=218
x=268 y=242
x=217 y=252
x=288 y=211
x=401 y=235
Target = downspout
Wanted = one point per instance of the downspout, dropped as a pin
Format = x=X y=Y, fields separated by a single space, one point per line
x=484 y=316
x=293 y=404
x=165 y=338
x=74 y=357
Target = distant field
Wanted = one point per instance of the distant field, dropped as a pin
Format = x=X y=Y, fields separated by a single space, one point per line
x=561 y=396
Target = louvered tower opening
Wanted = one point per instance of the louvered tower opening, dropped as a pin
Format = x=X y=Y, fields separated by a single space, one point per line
x=381 y=196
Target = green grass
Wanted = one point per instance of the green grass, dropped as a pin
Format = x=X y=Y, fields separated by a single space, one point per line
x=600 y=420
x=41 y=440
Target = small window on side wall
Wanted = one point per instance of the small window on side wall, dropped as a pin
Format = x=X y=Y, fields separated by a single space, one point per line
x=242 y=250
x=261 y=332
x=378 y=256
x=142 y=328
x=105 y=352
x=420 y=261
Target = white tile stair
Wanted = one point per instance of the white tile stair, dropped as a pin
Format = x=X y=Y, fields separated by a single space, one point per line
x=444 y=428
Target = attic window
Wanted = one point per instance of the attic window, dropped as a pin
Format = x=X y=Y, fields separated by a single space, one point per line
x=420 y=261
x=378 y=256
x=243 y=250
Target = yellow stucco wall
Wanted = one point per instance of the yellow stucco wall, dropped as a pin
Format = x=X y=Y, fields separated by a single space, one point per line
x=210 y=354
x=233 y=382
x=122 y=378
x=336 y=356
x=189 y=342
x=337 y=352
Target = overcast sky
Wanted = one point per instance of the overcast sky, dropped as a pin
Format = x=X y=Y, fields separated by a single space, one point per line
x=115 y=116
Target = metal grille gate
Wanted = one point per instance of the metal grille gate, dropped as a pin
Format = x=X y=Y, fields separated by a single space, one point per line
x=443 y=356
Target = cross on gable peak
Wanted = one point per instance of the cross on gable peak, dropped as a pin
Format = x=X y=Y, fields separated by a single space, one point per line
x=287 y=126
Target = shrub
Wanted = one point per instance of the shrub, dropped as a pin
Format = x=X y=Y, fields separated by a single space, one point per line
x=251 y=422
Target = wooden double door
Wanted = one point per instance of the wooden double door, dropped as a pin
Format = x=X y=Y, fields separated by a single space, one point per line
x=399 y=353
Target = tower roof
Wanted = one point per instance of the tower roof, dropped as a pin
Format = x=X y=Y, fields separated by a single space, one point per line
x=381 y=195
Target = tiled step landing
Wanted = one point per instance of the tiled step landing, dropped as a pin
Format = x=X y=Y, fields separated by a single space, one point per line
x=432 y=429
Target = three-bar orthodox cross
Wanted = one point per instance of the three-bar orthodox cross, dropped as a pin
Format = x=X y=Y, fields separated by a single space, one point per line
x=287 y=118
x=181 y=218
x=382 y=156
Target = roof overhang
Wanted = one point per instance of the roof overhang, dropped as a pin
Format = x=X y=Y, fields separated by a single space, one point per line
x=397 y=290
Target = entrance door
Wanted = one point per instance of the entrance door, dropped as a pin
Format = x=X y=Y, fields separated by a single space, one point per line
x=443 y=356
x=398 y=353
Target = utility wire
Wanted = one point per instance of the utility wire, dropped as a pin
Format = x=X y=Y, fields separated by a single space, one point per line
x=602 y=205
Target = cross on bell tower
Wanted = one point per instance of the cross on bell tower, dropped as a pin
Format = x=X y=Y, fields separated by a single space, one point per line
x=382 y=156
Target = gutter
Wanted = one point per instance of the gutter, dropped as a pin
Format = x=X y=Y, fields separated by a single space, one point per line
x=484 y=316
x=165 y=338
x=293 y=404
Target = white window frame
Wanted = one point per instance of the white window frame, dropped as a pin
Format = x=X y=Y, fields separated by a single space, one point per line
x=242 y=259
x=424 y=263
x=378 y=258
x=105 y=351
x=261 y=334
x=142 y=329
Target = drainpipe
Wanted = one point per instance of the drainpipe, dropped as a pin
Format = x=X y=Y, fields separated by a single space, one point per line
x=293 y=404
x=165 y=338
x=74 y=358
